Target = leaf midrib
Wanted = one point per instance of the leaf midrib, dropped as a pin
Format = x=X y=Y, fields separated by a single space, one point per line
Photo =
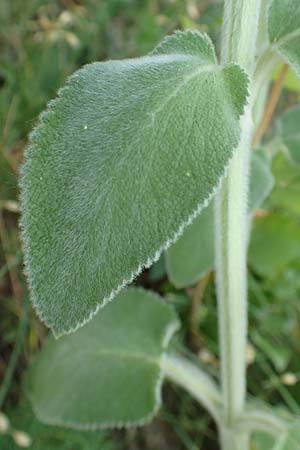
x=181 y=85
x=287 y=38
x=153 y=114
x=116 y=353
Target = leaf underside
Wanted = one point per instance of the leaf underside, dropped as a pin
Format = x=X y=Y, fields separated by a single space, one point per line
x=106 y=374
x=192 y=256
x=283 y=236
x=284 y=30
x=123 y=159
x=288 y=440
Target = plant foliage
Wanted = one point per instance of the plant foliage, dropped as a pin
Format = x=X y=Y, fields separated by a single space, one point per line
x=107 y=373
x=124 y=158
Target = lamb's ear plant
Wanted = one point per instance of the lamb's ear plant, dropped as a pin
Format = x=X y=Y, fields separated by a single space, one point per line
x=122 y=162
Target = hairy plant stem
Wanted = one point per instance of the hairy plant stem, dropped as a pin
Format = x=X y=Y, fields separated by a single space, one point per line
x=202 y=387
x=240 y=28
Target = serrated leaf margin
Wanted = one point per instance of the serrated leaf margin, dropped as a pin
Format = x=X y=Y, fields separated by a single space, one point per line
x=152 y=258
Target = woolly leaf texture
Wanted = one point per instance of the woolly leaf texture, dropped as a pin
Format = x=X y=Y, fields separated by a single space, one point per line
x=126 y=156
x=290 y=133
x=284 y=30
x=107 y=374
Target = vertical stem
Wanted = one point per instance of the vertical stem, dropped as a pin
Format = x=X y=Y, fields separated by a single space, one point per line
x=238 y=45
x=231 y=249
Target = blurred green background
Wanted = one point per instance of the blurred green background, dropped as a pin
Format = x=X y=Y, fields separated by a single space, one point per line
x=42 y=43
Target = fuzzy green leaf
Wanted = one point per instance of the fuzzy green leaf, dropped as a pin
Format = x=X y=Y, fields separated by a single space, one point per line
x=53 y=438
x=290 y=132
x=193 y=254
x=261 y=179
x=106 y=374
x=287 y=440
x=290 y=439
x=282 y=235
x=286 y=193
x=121 y=162
x=284 y=30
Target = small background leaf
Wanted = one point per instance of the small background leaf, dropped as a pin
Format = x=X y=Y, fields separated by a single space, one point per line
x=279 y=355
x=45 y=437
x=287 y=441
x=284 y=30
x=261 y=179
x=285 y=196
x=282 y=235
x=193 y=254
x=290 y=132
